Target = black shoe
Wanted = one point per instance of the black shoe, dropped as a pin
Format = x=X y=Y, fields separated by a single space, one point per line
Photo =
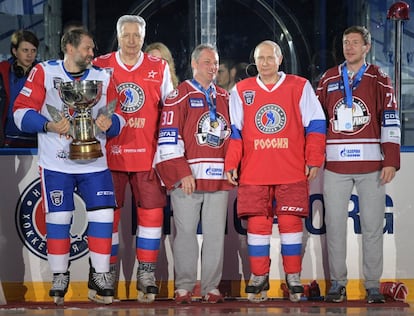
x=336 y=294
x=374 y=296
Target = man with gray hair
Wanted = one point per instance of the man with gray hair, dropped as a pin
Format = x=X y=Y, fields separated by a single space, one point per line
x=143 y=82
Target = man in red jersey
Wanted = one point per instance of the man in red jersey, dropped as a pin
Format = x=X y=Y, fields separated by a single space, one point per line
x=143 y=82
x=194 y=134
x=277 y=145
x=363 y=150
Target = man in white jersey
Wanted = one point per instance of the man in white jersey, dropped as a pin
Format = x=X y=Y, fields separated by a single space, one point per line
x=61 y=175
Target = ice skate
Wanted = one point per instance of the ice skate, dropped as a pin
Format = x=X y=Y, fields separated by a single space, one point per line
x=147 y=289
x=60 y=284
x=295 y=287
x=257 y=288
x=101 y=289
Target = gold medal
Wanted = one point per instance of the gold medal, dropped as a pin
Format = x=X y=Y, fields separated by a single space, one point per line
x=214 y=124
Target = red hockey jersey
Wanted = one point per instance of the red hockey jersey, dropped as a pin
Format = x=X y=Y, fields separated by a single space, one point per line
x=276 y=132
x=374 y=141
x=141 y=88
x=183 y=143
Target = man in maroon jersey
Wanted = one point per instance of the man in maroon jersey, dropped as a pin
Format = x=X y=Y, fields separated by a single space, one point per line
x=194 y=133
x=363 y=150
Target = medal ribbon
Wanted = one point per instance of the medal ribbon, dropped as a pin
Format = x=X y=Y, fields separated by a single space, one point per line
x=355 y=83
x=210 y=95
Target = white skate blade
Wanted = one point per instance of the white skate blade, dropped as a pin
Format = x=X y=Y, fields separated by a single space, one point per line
x=146 y=297
x=93 y=296
x=58 y=300
x=257 y=298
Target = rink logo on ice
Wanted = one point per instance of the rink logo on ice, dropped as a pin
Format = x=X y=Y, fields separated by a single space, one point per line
x=31 y=226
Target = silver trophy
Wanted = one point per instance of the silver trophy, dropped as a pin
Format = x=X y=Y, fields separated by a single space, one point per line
x=82 y=96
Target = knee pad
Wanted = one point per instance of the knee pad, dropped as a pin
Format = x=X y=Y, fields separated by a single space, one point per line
x=60 y=218
x=105 y=215
x=150 y=217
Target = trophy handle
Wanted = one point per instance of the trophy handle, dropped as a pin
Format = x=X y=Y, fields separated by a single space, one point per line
x=107 y=111
x=54 y=113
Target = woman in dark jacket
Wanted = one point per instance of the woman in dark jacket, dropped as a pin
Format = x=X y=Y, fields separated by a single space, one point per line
x=14 y=72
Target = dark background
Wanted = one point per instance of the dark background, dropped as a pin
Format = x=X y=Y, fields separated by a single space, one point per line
x=315 y=27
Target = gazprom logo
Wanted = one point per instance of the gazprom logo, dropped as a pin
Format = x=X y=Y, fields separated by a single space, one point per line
x=213 y=171
x=31 y=226
x=351 y=153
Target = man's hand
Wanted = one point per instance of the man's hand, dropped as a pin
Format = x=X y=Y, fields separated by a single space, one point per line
x=60 y=127
x=103 y=122
x=188 y=184
x=387 y=174
x=311 y=172
x=232 y=176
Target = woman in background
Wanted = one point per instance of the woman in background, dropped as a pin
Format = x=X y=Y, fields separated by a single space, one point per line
x=159 y=50
x=14 y=72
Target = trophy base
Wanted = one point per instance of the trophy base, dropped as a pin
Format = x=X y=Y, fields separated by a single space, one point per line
x=85 y=150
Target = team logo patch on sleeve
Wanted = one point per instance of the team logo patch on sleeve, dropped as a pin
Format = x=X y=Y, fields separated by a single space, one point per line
x=168 y=136
x=391 y=118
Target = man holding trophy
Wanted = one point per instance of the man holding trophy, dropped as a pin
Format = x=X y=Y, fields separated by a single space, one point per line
x=69 y=104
